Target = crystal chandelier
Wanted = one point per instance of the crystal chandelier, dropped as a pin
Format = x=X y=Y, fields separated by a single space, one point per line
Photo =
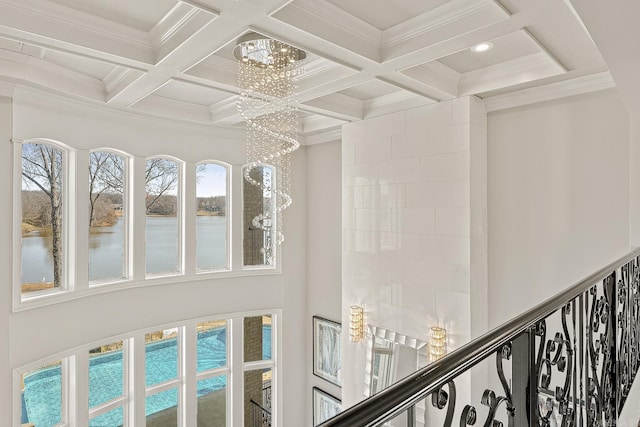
x=266 y=78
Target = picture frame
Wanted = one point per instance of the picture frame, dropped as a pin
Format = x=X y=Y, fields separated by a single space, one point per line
x=325 y=406
x=326 y=350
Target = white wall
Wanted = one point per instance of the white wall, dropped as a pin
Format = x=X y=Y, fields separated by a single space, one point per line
x=558 y=197
x=5 y=262
x=40 y=332
x=410 y=217
x=324 y=244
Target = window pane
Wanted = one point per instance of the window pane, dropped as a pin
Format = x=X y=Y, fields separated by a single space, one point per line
x=162 y=225
x=106 y=213
x=42 y=217
x=106 y=373
x=112 y=418
x=257 y=338
x=257 y=397
x=162 y=409
x=211 y=222
x=161 y=356
x=42 y=396
x=212 y=402
x=212 y=345
x=259 y=224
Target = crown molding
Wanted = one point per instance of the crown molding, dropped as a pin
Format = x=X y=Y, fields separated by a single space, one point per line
x=520 y=70
x=328 y=21
x=393 y=103
x=61 y=16
x=562 y=89
x=444 y=15
x=437 y=75
x=327 y=135
x=7 y=89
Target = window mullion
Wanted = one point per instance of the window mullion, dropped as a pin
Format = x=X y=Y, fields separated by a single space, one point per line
x=78 y=255
x=189 y=219
x=190 y=405
x=136 y=214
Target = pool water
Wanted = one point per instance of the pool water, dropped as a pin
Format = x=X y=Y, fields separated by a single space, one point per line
x=42 y=393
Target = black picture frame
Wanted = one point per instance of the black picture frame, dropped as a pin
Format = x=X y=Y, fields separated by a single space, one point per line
x=326 y=350
x=324 y=405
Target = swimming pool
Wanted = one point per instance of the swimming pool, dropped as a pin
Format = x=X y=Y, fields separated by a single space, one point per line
x=42 y=393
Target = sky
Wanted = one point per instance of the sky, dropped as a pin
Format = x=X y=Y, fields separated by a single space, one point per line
x=212 y=181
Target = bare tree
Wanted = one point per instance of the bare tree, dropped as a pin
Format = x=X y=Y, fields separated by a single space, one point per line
x=106 y=173
x=161 y=177
x=42 y=168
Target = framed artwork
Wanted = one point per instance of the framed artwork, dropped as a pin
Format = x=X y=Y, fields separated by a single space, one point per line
x=326 y=350
x=325 y=406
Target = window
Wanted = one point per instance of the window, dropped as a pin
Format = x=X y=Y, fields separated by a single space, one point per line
x=43 y=395
x=212 y=373
x=43 y=218
x=107 y=216
x=259 y=216
x=107 y=384
x=211 y=219
x=162 y=204
x=187 y=378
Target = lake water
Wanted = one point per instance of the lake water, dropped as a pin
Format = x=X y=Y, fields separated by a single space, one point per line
x=106 y=249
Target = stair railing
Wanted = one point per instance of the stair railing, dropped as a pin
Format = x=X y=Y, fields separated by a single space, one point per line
x=569 y=361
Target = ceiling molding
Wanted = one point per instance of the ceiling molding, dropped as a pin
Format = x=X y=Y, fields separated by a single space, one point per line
x=171 y=23
x=575 y=86
x=524 y=69
x=437 y=75
x=336 y=105
x=315 y=124
x=202 y=7
x=327 y=21
x=328 y=135
x=446 y=14
x=393 y=103
x=60 y=16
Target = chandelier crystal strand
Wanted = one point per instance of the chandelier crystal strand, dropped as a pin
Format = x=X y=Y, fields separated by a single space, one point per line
x=267 y=73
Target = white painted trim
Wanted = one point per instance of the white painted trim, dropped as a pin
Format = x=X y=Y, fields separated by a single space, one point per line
x=520 y=70
x=332 y=16
x=62 y=16
x=329 y=135
x=431 y=20
x=575 y=86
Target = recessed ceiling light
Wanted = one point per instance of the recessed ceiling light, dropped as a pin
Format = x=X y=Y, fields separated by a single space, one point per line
x=481 y=47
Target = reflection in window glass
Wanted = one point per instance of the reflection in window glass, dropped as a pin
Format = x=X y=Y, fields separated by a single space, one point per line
x=257 y=396
x=259 y=211
x=211 y=220
x=257 y=338
x=42 y=396
x=212 y=402
x=106 y=373
x=162 y=408
x=161 y=356
x=42 y=217
x=106 y=216
x=212 y=345
x=162 y=219
x=112 y=418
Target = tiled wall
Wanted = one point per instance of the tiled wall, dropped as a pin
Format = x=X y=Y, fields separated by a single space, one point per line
x=409 y=213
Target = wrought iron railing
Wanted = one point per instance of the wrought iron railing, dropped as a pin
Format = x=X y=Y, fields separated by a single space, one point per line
x=569 y=361
x=260 y=416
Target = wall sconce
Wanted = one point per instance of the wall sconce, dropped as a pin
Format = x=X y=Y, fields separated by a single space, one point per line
x=356 y=323
x=437 y=343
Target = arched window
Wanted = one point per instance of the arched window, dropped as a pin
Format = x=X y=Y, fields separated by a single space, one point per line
x=259 y=222
x=43 y=217
x=163 y=222
x=107 y=216
x=211 y=220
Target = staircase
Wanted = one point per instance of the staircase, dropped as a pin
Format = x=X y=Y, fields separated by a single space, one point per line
x=570 y=361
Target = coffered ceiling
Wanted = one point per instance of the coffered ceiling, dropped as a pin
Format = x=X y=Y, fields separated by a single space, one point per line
x=173 y=58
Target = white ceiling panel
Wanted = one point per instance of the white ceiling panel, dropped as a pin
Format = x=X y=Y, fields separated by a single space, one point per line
x=139 y=14
x=188 y=92
x=384 y=14
x=87 y=66
x=505 y=48
x=370 y=89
